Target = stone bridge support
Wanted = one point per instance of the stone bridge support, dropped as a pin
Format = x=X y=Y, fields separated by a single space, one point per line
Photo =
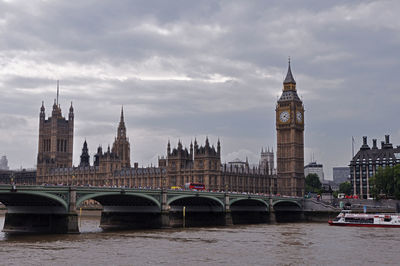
x=72 y=215
x=165 y=222
x=272 y=216
x=228 y=213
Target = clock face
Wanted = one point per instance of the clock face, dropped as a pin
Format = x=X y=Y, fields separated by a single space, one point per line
x=284 y=116
x=299 y=116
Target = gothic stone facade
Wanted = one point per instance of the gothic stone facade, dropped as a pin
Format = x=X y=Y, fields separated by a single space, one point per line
x=55 y=145
x=290 y=139
x=105 y=163
x=202 y=164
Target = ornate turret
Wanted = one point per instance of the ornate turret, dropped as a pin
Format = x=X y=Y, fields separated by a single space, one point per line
x=56 y=110
x=191 y=150
x=179 y=145
x=85 y=156
x=71 y=112
x=121 y=145
x=121 y=127
x=42 y=112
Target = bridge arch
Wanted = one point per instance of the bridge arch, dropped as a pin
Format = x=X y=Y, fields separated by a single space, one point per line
x=249 y=200
x=196 y=210
x=286 y=204
x=126 y=195
x=210 y=199
x=32 y=198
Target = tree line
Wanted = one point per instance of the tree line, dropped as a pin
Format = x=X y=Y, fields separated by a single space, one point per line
x=386 y=183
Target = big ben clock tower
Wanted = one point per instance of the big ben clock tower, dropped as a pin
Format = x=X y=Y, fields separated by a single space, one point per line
x=290 y=139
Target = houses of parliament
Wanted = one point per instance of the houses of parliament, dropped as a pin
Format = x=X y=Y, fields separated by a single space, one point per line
x=180 y=165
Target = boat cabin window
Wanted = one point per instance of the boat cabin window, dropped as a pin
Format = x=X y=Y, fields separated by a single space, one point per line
x=360 y=220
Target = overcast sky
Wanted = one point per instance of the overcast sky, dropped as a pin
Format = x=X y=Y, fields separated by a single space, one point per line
x=191 y=69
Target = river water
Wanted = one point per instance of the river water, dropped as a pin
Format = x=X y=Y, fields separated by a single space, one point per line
x=266 y=244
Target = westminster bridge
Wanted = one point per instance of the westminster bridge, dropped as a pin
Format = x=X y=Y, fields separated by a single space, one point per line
x=54 y=208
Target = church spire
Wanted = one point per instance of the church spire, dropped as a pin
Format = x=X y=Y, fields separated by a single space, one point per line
x=289 y=76
x=58 y=90
x=122 y=114
x=121 y=127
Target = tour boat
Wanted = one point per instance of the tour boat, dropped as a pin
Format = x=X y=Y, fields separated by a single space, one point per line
x=346 y=218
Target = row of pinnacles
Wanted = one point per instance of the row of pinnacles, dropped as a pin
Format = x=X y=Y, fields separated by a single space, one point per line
x=116 y=158
x=182 y=158
x=200 y=164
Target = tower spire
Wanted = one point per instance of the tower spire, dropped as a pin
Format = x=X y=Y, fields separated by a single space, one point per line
x=58 y=88
x=289 y=76
x=122 y=114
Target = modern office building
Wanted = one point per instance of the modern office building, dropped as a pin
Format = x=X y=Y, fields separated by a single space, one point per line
x=4 y=163
x=315 y=168
x=340 y=174
x=368 y=160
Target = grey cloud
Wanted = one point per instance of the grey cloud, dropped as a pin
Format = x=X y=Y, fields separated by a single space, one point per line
x=344 y=58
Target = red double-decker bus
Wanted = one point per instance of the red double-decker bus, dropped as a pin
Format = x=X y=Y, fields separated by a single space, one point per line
x=195 y=186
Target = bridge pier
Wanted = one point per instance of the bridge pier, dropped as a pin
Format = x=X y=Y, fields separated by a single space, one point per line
x=165 y=221
x=272 y=216
x=41 y=223
x=228 y=218
x=72 y=216
x=228 y=213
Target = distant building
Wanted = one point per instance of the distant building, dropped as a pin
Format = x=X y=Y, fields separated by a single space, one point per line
x=19 y=177
x=315 y=168
x=367 y=161
x=267 y=160
x=341 y=174
x=4 y=163
x=238 y=163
